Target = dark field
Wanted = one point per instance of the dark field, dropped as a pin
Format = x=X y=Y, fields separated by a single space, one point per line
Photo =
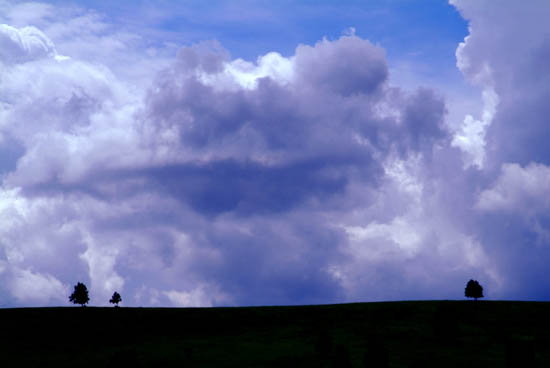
x=393 y=334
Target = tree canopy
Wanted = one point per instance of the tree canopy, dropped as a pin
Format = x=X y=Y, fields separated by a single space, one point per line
x=115 y=299
x=80 y=295
x=473 y=290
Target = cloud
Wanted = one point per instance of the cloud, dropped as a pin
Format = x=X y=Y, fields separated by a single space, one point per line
x=272 y=65
x=202 y=296
x=471 y=136
x=307 y=178
x=27 y=12
x=30 y=288
x=23 y=45
x=347 y=66
x=296 y=109
x=504 y=54
x=226 y=173
x=517 y=189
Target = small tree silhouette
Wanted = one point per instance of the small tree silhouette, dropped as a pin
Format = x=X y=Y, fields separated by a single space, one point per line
x=473 y=290
x=80 y=295
x=115 y=299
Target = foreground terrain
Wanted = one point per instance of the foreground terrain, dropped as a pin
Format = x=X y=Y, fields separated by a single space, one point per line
x=392 y=334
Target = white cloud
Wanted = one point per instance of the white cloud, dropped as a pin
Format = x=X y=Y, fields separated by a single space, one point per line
x=470 y=137
x=34 y=288
x=399 y=232
x=505 y=55
x=25 y=13
x=272 y=65
x=200 y=296
x=101 y=262
x=23 y=45
x=525 y=190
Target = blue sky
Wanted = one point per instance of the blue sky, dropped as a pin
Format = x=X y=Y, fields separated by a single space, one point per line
x=428 y=30
x=425 y=32
x=186 y=153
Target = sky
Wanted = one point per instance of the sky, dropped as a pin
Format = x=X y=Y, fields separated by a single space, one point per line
x=232 y=153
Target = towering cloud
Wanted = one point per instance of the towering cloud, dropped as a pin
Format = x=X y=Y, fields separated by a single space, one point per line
x=218 y=164
x=300 y=179
x=504 y=54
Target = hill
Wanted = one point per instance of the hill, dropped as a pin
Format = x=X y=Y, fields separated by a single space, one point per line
x=403 y=334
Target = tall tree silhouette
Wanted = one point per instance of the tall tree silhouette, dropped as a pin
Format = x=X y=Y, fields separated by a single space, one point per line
x=80 y=295
x=115 y=299
x=473 y=290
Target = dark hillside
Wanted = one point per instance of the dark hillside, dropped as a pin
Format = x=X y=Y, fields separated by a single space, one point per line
x=394 y=334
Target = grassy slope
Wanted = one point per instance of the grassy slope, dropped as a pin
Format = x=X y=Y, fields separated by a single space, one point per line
x=426 y=334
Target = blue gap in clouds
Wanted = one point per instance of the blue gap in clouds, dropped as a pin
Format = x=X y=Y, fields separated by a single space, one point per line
x=252 y=28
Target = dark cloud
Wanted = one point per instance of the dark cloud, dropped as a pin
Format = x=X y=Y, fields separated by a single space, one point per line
x=423 y=120
x=278 y=261
x=346 y=66
x=249 y=188
x=207 y=57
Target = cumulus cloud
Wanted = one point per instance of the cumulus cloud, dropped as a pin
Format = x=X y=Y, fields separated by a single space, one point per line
x=31 y=288
x=503 y=54
x=272 y=65
x=348 y=66
x=306 y=178
x=221 y=162
x=471 y=136
x=202 y=296
x=518 y=189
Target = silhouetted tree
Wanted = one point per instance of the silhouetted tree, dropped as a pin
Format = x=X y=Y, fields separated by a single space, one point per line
x=473 y=290
x=80 y=295
x=115 y=299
